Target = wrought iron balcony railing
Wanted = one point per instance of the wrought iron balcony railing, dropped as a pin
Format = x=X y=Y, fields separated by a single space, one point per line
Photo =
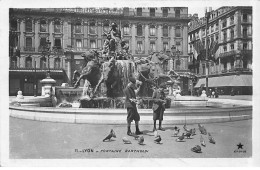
x=29 y=49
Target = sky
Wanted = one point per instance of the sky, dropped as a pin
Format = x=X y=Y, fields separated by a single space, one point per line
x=199 y=10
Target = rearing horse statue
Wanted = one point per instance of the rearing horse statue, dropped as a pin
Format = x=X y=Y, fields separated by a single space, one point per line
x=93 y=73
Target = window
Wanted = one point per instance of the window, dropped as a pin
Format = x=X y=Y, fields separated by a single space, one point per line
x=93 y=44
x=92 y=28
x=152 y=12
x=165 y=46
x=224 y=23
x=13 y=62
x=216 y=37
x=139 y=30
x=152 y=46
x=244 y=31
x=126 y=30
x=106 y=27
x=78 y=43
x=57 y=63
x=203 y=32
x=177 y=31
x=232 y=46
x=244 y=46
x=139 y=46
x=43 y=63
x=42 y=42
x=57 y=43
x=13 y=25
x=231 y=20
x=28 y=42
x=57 y=27
x=78 y=28
x=28 y=25
x=139 y=11
x=177 y=13
x=165 y=31
x=244 y=17
x=43 y=26
x=232 y=64
x=126 y=11
x=224 y=35
x=231 y=33
x=178 y=43
x=28 y=62
x=216 y=26
x=225 y=48
x=152 y=30
x=212 y=28
x=165 y=12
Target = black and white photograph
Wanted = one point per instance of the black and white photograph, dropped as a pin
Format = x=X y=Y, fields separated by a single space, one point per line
x=119 y=83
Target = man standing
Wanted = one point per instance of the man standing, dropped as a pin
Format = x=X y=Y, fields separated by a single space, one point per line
x=130 y=103
x=158 y=107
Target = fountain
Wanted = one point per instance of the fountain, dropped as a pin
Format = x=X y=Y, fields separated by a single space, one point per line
x=101 y=99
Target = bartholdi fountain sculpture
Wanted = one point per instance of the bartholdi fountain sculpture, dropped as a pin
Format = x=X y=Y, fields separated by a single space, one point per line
x=106 y=75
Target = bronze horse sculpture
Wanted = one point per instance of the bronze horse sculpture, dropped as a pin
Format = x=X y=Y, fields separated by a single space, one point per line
x=94 y=73
x=150 y=71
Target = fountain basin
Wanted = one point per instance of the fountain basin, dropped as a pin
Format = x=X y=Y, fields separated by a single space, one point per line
x=178 y=115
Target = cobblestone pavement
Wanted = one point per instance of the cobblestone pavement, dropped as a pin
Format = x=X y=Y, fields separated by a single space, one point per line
x=48 y=140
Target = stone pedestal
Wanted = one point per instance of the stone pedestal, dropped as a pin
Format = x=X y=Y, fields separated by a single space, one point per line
x=47 y=86
x=19 y=95
x=203 y=93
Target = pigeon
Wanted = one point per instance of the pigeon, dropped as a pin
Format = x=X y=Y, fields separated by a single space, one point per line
x=111 y=134
x=135 y=136
x=202 y=141
x=186 y=129
x=158 y=140
x=202 y=129
x=211 y=139
x=193 y=131
x=176 y=132
x=196 y=149
x=155 y=133
x=180 y=138
x=141 y=140
x=126 y=141
x=188 y=134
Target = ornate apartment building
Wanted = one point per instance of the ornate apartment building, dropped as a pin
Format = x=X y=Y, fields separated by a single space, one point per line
x=71 y=31
x=229 y=61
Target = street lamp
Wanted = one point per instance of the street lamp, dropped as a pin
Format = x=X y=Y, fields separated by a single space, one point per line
x=47 y=52
x=207 y=16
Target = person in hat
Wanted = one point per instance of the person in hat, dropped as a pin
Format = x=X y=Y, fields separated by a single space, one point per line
x=130 y=103
x=158 y=106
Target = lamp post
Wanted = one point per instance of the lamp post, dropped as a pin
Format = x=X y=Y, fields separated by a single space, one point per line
x=47 y=52
x=207 y=15
x=34 y=89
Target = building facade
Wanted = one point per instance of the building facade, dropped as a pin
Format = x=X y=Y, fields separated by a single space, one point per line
x=73 y=31
x=229 y=35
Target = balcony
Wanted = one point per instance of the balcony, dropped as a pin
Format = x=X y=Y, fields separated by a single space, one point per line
x=29 y=49
x=227 y=54
x=158 y=15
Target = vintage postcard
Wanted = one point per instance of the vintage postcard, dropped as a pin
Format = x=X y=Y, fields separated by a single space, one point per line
x=118 y=83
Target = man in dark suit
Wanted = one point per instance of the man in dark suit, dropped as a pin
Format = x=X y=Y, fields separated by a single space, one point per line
x=158 y=106
x=130 y=103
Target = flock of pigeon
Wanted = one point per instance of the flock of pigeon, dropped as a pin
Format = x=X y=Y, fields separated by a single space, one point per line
x=188 y=133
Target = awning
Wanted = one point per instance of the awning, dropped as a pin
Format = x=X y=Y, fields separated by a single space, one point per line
x=234 y=80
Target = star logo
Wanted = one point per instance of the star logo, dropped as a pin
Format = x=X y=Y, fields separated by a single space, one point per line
x=240 y=146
